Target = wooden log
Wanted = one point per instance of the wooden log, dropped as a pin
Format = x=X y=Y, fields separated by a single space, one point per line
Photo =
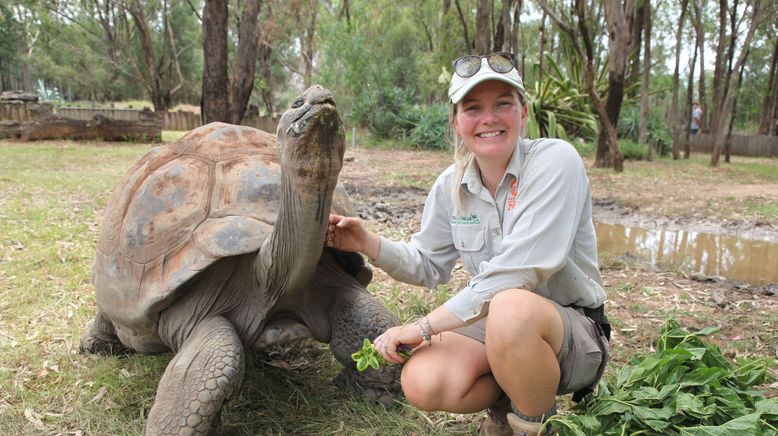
x=99 y=128
x=18 y=96
x=10 y=129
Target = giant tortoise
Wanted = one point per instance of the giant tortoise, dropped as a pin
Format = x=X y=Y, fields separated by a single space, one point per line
x=215 y=244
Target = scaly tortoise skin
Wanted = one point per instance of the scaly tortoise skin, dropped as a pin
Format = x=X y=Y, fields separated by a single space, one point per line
x=214 y=244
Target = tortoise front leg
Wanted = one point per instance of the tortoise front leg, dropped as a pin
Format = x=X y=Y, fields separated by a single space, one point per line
x=100 y=338
x=354 y=316
x=207 y=371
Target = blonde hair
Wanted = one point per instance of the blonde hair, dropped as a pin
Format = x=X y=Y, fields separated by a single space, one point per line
x=462 y=155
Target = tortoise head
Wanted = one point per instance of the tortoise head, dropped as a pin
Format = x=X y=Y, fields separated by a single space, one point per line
x=310 y=133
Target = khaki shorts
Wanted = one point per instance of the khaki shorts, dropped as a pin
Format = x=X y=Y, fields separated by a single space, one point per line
x=584 y=351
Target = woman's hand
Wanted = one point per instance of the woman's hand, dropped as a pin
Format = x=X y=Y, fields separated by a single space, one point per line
x=350 y=234
x=387 y=343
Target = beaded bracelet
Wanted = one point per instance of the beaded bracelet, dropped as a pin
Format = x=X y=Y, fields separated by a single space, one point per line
x=424 y=333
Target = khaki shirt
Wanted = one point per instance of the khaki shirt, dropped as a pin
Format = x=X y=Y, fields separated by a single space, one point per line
x=535 y=234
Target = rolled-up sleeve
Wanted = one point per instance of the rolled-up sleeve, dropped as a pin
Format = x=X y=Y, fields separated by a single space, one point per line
x=430 y=255
x=538 y=232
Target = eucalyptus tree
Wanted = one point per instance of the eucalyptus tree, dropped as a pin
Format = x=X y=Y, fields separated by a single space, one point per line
x=674 y=118
x=10 y=35
x=768 y=119
x=142 y=41
x=759 y=12
x=575 y=24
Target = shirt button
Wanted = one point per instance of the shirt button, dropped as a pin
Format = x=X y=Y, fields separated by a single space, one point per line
x=497 y=232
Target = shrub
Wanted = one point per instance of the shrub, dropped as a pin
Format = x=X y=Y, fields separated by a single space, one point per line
x=632 y=150
x=659 y=135
x=429 y=126
x=383 y=112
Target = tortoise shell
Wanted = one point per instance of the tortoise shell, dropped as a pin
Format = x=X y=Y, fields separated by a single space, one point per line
x=182 y=206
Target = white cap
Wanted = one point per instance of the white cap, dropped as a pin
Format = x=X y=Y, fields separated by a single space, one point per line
x=460 y=86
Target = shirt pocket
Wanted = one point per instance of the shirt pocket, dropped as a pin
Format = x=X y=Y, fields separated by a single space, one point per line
x=469 y=241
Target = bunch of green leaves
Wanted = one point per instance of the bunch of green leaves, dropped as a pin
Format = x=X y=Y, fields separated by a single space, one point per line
x=369 y=356
x=688 y=387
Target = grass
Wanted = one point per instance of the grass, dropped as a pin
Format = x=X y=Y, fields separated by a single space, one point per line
x=51 y=200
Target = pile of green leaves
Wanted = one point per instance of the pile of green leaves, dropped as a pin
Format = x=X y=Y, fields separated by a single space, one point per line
x=688 y=387
x=369 y=356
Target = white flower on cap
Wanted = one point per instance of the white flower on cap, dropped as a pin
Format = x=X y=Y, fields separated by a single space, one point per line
x=460 y=86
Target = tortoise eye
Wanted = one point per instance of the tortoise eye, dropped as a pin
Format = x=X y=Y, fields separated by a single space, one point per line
x=297 y=103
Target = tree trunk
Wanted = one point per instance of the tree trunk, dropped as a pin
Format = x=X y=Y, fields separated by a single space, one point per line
x=768 y=121
x=246 y=64
x=306 y=15
x=701 y=45
x=465 y=35
x=728 y=142
x=689 y=100
x=215 y=79
x=517 y=41
x=503 y=38
x=645 y=82
x=619 y=18
x=719 y=78
x=579 y=34
x=674 y=118
x=638 y=29
x=729 y=97
x=482 y=31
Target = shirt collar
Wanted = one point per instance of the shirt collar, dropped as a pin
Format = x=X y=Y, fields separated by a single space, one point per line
x=471 y=180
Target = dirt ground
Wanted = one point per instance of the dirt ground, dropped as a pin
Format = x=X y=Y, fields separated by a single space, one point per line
x=389 y=188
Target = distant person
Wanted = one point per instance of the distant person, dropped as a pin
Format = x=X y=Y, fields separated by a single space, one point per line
x=530 y=324
x=696 y=122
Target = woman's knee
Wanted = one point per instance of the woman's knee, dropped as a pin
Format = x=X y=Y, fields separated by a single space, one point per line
x=421 y=387
x=517 y=315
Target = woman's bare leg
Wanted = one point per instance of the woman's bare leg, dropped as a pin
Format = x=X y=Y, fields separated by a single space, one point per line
x=524 y=333
x=451 y=374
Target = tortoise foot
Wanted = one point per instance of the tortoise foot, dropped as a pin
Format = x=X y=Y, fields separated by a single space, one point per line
x=100 y=338
x=107 y=346
x=354 y=381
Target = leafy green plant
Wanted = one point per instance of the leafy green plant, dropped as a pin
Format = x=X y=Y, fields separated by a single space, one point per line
x=659 y=134
x=559 y=107
x=688 y=387
x=369 y=356
x=429 y=126
x=47 y=94
x=632 y=150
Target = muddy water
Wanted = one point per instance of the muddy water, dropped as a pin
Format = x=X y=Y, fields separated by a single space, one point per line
x=741 y=260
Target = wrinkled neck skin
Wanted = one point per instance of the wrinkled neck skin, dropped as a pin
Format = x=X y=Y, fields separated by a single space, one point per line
x=288 y=257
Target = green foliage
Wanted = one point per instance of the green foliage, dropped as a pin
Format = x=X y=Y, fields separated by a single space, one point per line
x=429 y=125
x=369 y=356
x=10 y=36
x=47 y=94
x=383 y=112
x=558 y=106
x=687 y=387
x=659 y=134
x=632 y=150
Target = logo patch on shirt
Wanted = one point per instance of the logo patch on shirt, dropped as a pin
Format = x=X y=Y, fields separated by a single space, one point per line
x=471 y=219
x=514 y=193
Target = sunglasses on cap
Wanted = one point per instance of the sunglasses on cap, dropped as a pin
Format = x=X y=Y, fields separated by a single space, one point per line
x=499 y=62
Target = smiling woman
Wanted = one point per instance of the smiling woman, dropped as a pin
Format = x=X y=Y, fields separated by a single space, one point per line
x=518 y=213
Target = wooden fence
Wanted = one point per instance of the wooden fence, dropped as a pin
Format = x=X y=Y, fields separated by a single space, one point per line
x=178 y=120
x=740 y=145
